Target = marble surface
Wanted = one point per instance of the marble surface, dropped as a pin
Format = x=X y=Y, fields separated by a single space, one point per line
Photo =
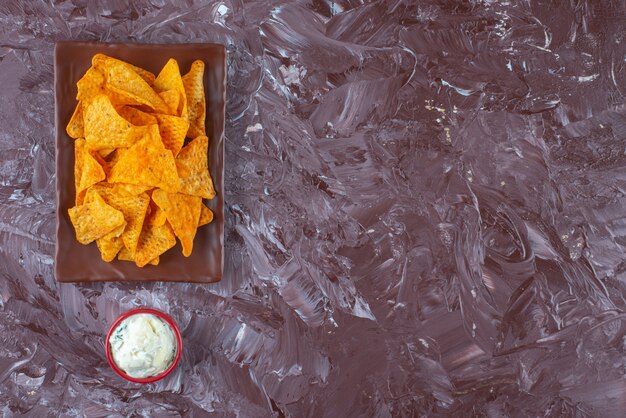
x=424 y=214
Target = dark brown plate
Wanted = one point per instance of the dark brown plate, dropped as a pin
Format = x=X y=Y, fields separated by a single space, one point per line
x=75 y=262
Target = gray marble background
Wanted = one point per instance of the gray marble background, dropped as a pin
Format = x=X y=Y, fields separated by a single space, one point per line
x=424 y=214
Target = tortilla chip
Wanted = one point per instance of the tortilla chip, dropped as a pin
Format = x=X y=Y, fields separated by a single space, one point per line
x=206 y=216
x=196 y=104
x=121 y=79
x=90 y=85
x=87 y=170
x=172 y=99
x=125 y=255
x=106 y=129
x=75 y=128
x=112 y=158
x=94 y=220
x=183 y=213
x=173 y=130
x=104 y=153
x=99 y=61
x=133 y=189
x=153 y=242
x=117 y=232
x=110 y=244
x=136 y=116
x=101 y=161
x=147 y=163
x=79 y=162
x=93 y=83
x=157 y=215
x=169 y=78
x=134 y=208
x=193 y=169
x=169 y=85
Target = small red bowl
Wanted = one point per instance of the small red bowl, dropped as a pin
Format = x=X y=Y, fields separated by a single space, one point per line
x=163 y=316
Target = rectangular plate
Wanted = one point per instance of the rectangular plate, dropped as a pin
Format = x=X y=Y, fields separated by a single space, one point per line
x=75 y=262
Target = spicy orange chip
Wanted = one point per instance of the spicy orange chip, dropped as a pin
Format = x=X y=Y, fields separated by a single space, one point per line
x=101 y=161
x=106 y=129
x=132 y=189
x=196 y=104
x=193 y=169
x=136 y=116
x=157 y=216
x=87 y=170
x=105 y=152
x=137 y=213
x=125 y=255
x=99 y=61
x=93 y=84
x=172 y=99
x=206 y=216
x=109 y=247
x=75 y=127
x=90 y=85
x=153 y=242
x=169 y=78
x=122 y=80
x=94 y=220
x=133 y=207
x=110 y=244
x=169 y=84
x=78 y=169
x=117 y=232
x=183 y=213
x=173 y=130
x=147 y=163
x=113 y=157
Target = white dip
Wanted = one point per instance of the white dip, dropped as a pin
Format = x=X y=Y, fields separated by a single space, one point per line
x=143 y=345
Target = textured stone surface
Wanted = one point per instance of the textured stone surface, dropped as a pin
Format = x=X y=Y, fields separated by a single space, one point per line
x=424 y=214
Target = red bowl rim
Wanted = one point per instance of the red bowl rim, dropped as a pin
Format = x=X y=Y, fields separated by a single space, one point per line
x=163 y=316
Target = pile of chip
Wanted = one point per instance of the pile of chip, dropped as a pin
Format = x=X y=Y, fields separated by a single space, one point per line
x=141 y=168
